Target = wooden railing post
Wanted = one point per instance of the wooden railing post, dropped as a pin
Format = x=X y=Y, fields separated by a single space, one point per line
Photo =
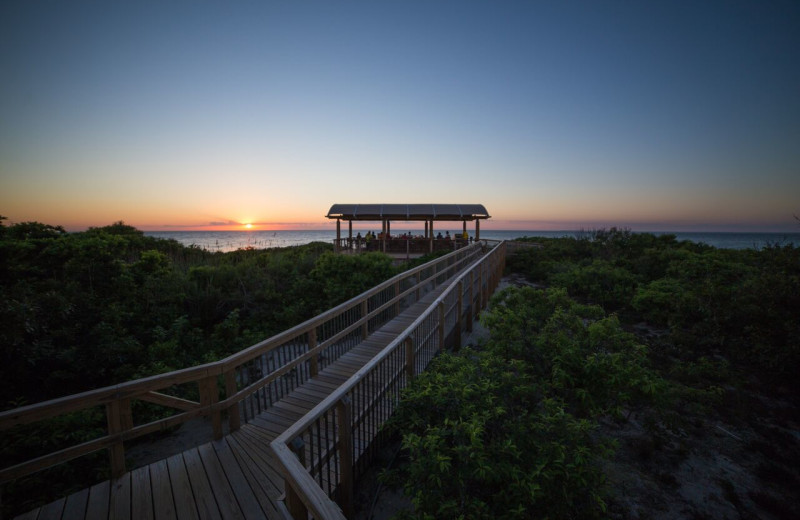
x=234 y=421
x=312 y=343
x=120 y=419
x=365 y=326
x=297 y=509
x=419 y=278
x=209 y=395
x=344 y=412
x=396 y=296
x=410 y=358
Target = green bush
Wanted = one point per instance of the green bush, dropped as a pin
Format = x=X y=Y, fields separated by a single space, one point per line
x=509 y=430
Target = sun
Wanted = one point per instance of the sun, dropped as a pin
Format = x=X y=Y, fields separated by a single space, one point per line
x=248 y=226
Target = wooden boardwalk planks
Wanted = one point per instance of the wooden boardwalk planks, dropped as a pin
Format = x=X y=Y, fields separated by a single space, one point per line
x=235 y=477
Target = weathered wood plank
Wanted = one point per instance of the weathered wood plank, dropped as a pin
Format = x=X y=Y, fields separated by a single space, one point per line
x=226 y=500
x=52 y=510
x=261 y=463
x=121 y=498
x=75 y=508
x=163 y=503
x=263 y=489
x=203 y=495
x=181 y=489
x=98 y=501
x=141 y=494
x=241 y=487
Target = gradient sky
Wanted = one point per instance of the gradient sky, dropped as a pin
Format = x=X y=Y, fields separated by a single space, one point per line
x=554 y=115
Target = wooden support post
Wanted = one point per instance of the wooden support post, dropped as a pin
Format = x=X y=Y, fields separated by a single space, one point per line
x=410 y=358
x=312 y=342
x=209 y=394
x=119 y=418
x=441 y=325
x=365 y=326
x=477 y=229
x=338 y=234
x=349 y=234
x=460 y=312
x=234 y=421
x=344 y=412
x=297 y=509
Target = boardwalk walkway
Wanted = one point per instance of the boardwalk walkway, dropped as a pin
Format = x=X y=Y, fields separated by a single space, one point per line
x=235 y=477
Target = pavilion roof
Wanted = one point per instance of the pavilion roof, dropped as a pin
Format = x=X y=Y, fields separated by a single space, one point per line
x=408 y=212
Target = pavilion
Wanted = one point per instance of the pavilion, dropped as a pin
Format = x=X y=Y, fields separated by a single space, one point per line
x=386 y=213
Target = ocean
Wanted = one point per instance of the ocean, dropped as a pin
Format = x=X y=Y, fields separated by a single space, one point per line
x=224 y=241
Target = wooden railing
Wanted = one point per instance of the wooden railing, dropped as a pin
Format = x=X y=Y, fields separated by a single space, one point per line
x=250 y=380
x=323 y=453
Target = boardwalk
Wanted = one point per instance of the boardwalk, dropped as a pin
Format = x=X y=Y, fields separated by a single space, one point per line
x=239 y=476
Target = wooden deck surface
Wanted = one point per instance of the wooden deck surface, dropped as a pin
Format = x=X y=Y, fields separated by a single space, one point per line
x=234 y=477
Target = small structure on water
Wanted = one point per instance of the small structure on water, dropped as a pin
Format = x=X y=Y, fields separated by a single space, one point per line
x=407 y=244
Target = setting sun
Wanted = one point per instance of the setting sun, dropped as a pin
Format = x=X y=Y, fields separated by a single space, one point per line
x=248 y=226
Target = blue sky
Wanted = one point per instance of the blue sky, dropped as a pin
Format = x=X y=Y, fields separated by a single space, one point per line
x=651 y=115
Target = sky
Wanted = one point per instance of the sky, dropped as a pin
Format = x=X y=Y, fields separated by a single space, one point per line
x=657 y=115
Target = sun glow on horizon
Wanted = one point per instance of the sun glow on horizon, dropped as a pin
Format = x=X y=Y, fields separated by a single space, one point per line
x=248 y=226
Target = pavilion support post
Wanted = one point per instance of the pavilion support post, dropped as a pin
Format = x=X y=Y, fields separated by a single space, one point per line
x=338 y=234
x=426 y=229
x=350 y=234
x=477 y=229
x=431 y=237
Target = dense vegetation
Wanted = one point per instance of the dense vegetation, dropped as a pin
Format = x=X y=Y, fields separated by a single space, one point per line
x=623 y=329
x=84 y=310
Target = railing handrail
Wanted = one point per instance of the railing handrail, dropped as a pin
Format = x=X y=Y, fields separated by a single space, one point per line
x=144 y=388
x=318 y=503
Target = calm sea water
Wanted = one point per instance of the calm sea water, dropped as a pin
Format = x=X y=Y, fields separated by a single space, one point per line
x=224 y=241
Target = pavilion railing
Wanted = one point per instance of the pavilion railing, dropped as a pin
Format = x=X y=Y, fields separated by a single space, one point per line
x=323 y=454
x=250 y=380
x=395 y=245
